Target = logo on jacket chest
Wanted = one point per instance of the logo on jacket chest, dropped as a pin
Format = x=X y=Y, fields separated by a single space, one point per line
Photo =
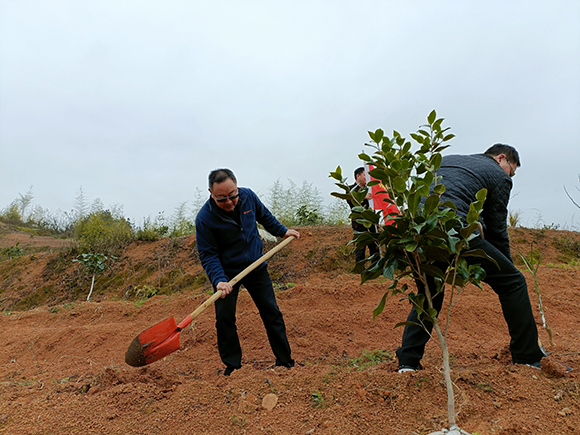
x=248 y=211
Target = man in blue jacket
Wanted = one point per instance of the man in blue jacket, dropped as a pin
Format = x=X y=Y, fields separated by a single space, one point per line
x=463 y=176
x=228 y=241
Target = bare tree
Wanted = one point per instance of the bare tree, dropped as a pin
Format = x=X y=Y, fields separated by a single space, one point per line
x=570 y=196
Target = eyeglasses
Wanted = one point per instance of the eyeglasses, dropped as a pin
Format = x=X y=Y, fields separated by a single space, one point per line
x=513 y=171
x=225 y=198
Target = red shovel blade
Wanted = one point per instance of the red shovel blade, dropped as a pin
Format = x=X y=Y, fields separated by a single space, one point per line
x=154 y=343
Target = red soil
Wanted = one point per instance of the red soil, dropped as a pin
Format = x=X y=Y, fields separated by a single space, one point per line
x=62 y=368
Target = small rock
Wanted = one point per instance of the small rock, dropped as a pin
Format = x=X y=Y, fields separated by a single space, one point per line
x=564 y=412
x=269 y=401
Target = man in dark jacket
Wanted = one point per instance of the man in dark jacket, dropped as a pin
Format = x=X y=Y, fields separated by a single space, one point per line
x=463 y=176
x=360 y=183
x=228 y=241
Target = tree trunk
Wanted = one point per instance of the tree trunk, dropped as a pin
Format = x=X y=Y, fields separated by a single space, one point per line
x=92 y=284
x=447 y=377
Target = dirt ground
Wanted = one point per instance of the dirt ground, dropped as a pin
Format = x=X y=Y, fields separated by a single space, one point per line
x=62 y=368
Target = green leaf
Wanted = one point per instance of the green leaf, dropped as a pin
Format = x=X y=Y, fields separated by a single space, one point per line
x=431 y=270
x=376 y=136
x=437 y=253
x=365 y=157
x=379 y=174
x=346 y=196
x=432 y=313
x=423 y=191
x=431 y=203
x=380 y=307
x=459 y=281
x=337 y=175
x=417 y=138
x=428 y=178
x=399 y=184
x=414 y=201
x=431 y=117
x=472 y=215
x=468 y=231
x=390 y=268
x=439 y=189
x=478 y=253
x=436 y=160
x=481 y=195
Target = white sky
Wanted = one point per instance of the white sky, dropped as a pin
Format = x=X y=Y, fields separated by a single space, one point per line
x=136 y=101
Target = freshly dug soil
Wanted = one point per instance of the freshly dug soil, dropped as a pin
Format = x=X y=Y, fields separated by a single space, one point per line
x=62 y=368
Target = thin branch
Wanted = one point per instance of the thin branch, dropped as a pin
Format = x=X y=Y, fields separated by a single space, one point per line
x=571 y=199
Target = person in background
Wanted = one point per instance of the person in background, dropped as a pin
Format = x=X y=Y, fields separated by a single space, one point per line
x=228 y=241
x=463 y=176
x=360 y=183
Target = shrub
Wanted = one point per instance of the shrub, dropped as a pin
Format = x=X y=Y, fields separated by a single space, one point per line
x=152 y=231
x=102 y=232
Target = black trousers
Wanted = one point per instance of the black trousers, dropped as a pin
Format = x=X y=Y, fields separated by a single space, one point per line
x=259 y=286
x=510 y=285
x=360 y=253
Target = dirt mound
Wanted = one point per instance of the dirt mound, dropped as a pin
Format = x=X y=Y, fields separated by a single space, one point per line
x=62 y=364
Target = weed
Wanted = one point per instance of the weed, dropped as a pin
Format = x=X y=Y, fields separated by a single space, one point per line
x=485 y=387
x=318 y=400
x=145 y=292
x=568 y=245
x=138 y=303
x=329 y=376
x=371 y=358
x=514 y=218
x=271 y=385
x=419 y=382
x=282 y=287
x=345 y=251
x=26 y=382
x=13 y=251
x=238 y=421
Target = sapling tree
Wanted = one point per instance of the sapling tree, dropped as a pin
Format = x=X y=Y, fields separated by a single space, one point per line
x=95 y=263
x=426 y=238
x=532 y=263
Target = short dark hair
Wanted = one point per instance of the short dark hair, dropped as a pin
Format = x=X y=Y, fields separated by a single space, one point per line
x=509 y=151
x=358 y=171
x=220 y=175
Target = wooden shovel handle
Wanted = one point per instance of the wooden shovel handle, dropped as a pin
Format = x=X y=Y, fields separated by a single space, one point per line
x=235 y=280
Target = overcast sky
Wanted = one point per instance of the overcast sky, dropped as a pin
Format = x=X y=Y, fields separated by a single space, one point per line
x=136 y=101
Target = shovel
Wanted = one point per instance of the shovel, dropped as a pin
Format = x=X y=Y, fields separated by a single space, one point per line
x=162 y=339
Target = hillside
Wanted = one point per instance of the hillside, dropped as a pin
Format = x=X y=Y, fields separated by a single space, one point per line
x=62 y=366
